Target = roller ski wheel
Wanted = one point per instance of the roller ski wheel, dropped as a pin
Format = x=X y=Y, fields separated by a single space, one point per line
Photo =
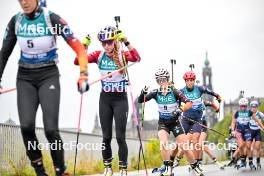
x=167 y=174
x=258 y=166
x=252 y=166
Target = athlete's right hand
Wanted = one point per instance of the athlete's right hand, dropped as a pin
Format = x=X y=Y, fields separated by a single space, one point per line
x=145 y=90
x=177 y=113
x=86 y=41
x=83 y=85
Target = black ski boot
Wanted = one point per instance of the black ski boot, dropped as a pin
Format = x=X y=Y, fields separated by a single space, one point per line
x=39 y=168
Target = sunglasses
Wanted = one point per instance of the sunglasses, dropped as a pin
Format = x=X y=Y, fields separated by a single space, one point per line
x=243 y=106
x=162 y=80
x=107 y=42
x=189 y=80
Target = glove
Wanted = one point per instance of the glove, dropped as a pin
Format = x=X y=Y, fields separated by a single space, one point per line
x=219 y=98
x=86 y=41
x=217 y=110
x=82 y=84
x=121 y=37
x=177 y=113
x=145 y=90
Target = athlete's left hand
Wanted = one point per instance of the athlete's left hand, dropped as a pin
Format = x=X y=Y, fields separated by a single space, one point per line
x=121 y=37
x=219 y=98
x=83 y=85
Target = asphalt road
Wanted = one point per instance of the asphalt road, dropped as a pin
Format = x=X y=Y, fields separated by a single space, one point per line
x=209 y=170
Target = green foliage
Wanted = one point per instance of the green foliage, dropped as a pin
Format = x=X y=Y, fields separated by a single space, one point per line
x=222 y=127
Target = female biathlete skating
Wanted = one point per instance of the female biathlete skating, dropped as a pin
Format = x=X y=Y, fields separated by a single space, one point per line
x=241 y=130
x=166 y=97
x=256 y=132
x=38 y=76
x=194 y=93
x=113 y=103
x=179 y=154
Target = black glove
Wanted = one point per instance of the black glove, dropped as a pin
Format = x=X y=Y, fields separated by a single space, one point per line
x=145 y=90
x=177 y=113
x=219 y=98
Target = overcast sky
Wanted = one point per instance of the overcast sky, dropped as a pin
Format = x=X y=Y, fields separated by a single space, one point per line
x=232 y=31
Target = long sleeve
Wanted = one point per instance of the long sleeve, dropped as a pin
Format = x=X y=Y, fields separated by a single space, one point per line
x=148 y=97
x=204 y=89
x=8 y=45
x=132 y=55
x=64 y=30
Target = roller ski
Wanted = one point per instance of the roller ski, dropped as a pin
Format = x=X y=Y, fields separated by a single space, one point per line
x=198 y=171
x=195 y=168
x=108 y=171
x=159 y=169
x=163 y=171
x=122 y=168
x=241 y=165
x=252 y=166
x=258 y=166
x=233 y=162
x=221 y=166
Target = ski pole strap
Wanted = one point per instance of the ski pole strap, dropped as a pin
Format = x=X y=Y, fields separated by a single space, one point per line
x=194 y=121
x=6 y=91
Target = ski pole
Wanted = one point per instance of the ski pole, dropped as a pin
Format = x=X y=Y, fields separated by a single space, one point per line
x=191 y=66
x=173 y=62
x=142 y=125
x=78 y=133
x=117 y=20
x=78 y=127
x=8 y=90
x=112 y=73
x=205 y=126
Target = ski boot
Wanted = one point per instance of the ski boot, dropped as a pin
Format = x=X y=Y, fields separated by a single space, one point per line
x=252 y=166
x=258 y=166
x=108 y=171
x=168 y=169
x=60 y=171
x=243 y=163
x=196 y=169
x=176 y=162
x=39 y=168
x=122 y=168
x=159 y=169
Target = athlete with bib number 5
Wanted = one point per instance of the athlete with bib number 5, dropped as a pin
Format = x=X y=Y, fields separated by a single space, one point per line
x=35 y=29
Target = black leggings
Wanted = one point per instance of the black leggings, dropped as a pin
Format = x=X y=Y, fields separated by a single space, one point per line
x=31 y=94
x=114 y=105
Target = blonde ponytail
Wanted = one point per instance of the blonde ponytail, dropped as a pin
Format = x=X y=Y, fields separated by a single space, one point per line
x=118 y=59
